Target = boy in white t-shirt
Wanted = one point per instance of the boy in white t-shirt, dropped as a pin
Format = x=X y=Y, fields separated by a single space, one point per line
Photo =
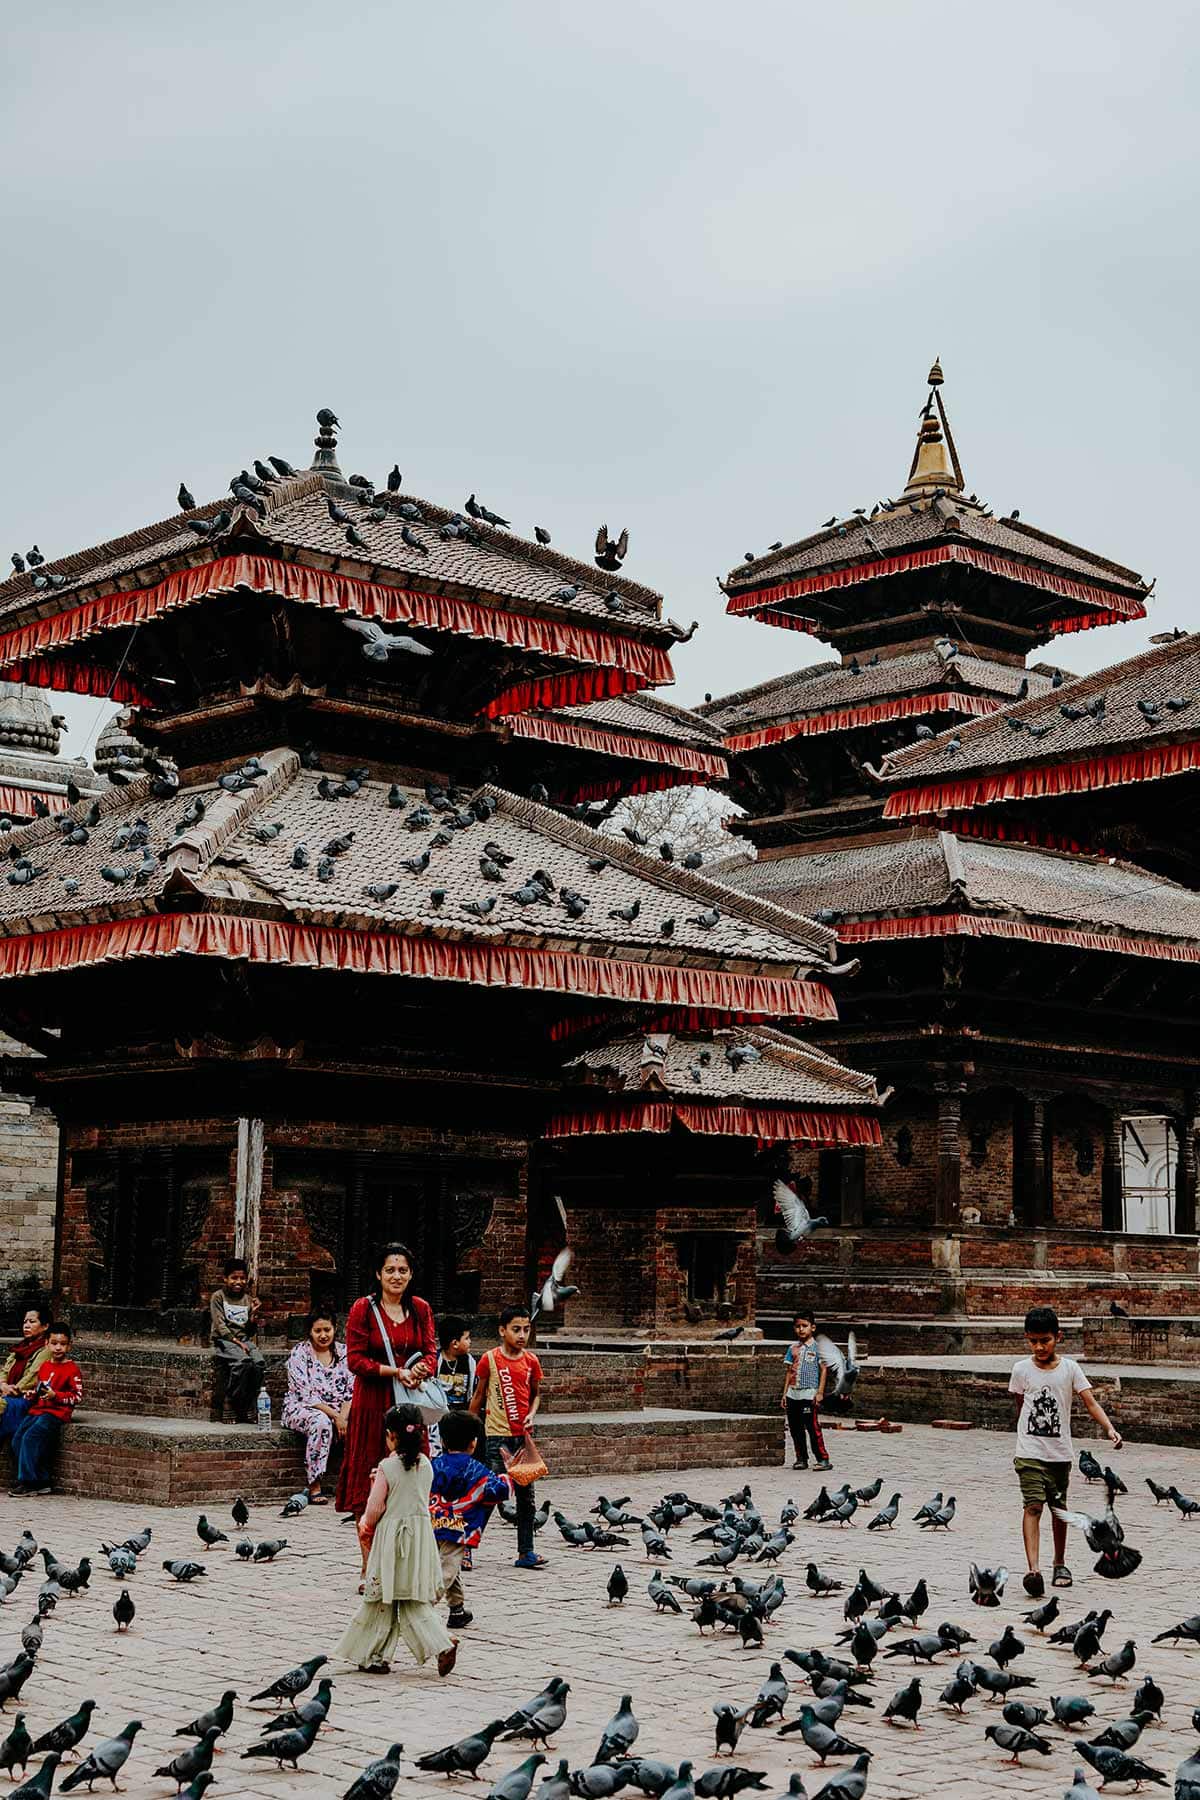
x=1047 y=1384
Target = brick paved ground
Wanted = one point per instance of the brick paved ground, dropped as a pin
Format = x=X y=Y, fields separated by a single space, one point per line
x=243 y=1625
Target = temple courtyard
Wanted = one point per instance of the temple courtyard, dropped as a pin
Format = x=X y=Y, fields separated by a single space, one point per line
x=245 y=1624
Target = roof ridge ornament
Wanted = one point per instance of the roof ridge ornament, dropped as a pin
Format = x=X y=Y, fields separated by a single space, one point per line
x=935 y=461
x=325 y=462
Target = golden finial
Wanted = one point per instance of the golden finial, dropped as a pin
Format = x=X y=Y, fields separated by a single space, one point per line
x=936 y=377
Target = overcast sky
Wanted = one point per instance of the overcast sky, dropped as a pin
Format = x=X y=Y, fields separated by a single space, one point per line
x=679 y=265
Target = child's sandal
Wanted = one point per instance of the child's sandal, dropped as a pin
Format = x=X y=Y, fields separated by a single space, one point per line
x=1061 y=1577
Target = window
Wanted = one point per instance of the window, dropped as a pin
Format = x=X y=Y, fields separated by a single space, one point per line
x=1149 y=1151
x=707 y=1258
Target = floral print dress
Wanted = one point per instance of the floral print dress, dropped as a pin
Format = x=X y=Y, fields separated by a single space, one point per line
x=309 y=1381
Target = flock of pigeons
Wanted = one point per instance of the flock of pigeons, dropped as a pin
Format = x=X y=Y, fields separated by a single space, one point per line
x=828 y=1703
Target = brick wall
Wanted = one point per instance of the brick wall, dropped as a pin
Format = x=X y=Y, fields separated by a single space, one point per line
x=28 y=1185
x=1153 y=1411
x=196 y=1469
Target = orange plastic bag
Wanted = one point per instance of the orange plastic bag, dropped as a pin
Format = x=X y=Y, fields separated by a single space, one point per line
x=526 y=1466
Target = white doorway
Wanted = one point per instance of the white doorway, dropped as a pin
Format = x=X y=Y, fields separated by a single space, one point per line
x=1149 y=1150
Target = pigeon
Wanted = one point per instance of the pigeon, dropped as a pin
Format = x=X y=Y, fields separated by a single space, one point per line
x=555 y=1289
x=1124 y=1733
x=38 y=1786
x=182 y=1569
x=267 y=1551
x=1006 y=1648
x=220 y=1715
x=208 y=1534
x=105 y=1762
x=727 y=1781
x=1187 y=1779
x=550 y=1717
x=986 y=1585
x=1115 y=1765
x=1043 y=1615
x=378 y=644
x=64 y=1736
x=905 y=1703
x=465 y=1756
x=731 y=1722
x=917 y=1603
x=1086 y=1642
x=851 y=1784
x=923 y=1648
x=1017 y=1740
x=1188 y=1507
x=124 y=1610
x=958 y=1692
x=823 y=1741
x=517 y=1783
x=1069 y=1710
x=886 y=1517
x=294 y=1682
x=1117 y=1666
x=16 y=1748
x=942 y=1518
x=186 y=499
x=598 y=1781
x=619 y=1734
x=317 y=1708
x=1106 y=1537
x=664 y=1600
x=285 y=1746
x=1188 y=1629
x=378 y=1779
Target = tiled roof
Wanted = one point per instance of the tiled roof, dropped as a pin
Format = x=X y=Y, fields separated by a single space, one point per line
x=915 y=525
x=223 y=858
x=297 y=521
x=1167 y=672
x=645 y=713
x=928 y=871
x=827 y=686
x=696 y=1066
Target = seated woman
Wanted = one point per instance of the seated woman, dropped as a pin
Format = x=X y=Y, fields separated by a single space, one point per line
x=19 y=1371
x=319 y=1390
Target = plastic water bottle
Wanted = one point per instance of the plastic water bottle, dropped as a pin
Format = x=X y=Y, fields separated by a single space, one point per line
x=263 y=1410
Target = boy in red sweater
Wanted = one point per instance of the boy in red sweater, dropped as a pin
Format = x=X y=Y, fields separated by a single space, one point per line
x=508 y=1383
x=58 y=1393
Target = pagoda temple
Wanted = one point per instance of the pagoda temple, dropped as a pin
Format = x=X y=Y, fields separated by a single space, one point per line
x=338 y=953
x=1011 y=853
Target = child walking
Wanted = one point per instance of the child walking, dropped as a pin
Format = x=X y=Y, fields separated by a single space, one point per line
x=58 y=1392
x=508 y=1384
x=402 y=1579
x=463 y=1495
x=1047 y=1384
x=804 y=1376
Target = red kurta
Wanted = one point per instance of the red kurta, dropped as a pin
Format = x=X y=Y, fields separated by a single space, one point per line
x=365 y=1353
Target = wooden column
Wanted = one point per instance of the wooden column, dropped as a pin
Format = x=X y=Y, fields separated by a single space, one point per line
x=1185 y=1166
x=948 y=1195
x=854 y=1185
x=1032 y=1151
x=1112 y=1177
x=247 y=1199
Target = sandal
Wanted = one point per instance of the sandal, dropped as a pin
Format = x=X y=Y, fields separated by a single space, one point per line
x=447 y=1658
x=376 y=1668
x=318 y=1500
x=1061 y=1576
x=1034 y=1584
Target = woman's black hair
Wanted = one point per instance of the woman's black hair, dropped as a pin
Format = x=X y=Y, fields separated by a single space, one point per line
x=41 y=1308
x=406 y=1425
x=396 y=1249
x=320 y=1312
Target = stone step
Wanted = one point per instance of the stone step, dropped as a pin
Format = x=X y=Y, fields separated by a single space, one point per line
x=189 y=1462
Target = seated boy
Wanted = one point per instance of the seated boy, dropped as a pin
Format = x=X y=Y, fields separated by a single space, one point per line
x=58 y=1393
x=460 y=1503
x=233 y=1314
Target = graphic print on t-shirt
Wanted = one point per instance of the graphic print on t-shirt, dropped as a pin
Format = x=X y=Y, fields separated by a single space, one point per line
x=1044 y=1419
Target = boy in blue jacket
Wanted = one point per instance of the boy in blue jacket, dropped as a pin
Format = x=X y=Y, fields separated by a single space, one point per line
x=460 y=1503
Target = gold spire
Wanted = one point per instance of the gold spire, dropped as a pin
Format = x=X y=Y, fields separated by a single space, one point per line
x=935 y=460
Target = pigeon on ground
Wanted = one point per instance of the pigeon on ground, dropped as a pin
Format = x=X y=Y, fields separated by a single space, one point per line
x=105 y=1762
x=820 y=1584
x=725 y=1782
x=466 y=1754
x=16 y=1748
x=294 y=1682
x=618 y=1586
x=1070 y=1710
x=961 y=1689
x=194 y=1761
x=1124 y=1733
x=1160 y=1493
x=64 y=1736
x=1115 y=1765
x=619 y=1734
x=998 y=1682
x=1043 y=1615
x=268 y=1550
x=124 y=1610
x=986 y=1585
x=517 y=1783
x=1118 y=1665
x=182 y=1569
x=38 y=1786
x=1187 y=1779
x=1013 y=1738
x=378 y=1779
x=886 y=1516
x=927 y=1511
x=220 y=1715
x=1020 y=1712
x=208 y=1534
x=731 y=1722
x=904 y=1704
x=1086 y=1641
x=539 y=1727
x=285 y=1746
x=1188 y=1507
x=940 y=1520
x=823 y=1741
x=923 y=1648
x=315 y=1709
x=850 y=1784
x=1006 y=1648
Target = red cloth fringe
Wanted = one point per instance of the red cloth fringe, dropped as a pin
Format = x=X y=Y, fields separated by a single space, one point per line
x=1069 y=588
x=1089 y=621
x=423 y=958
x=1041 y=780
x=928 y=925
x=967 y=825
x=845 y=718
x=19 y=801
x=641 y=784
x=566 y=690
x=71 y=675
x=620 y=743
x=768 y=1124
x=641 y=665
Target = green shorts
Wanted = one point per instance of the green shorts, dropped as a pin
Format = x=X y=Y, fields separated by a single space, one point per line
x=1042 y=1483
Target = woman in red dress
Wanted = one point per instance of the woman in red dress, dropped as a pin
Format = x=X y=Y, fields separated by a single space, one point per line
x=408 y=1322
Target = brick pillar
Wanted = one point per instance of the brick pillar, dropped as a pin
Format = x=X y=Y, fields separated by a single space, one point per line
x=1112 y=1177
x=1185 y=1166
x=948 y=1199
